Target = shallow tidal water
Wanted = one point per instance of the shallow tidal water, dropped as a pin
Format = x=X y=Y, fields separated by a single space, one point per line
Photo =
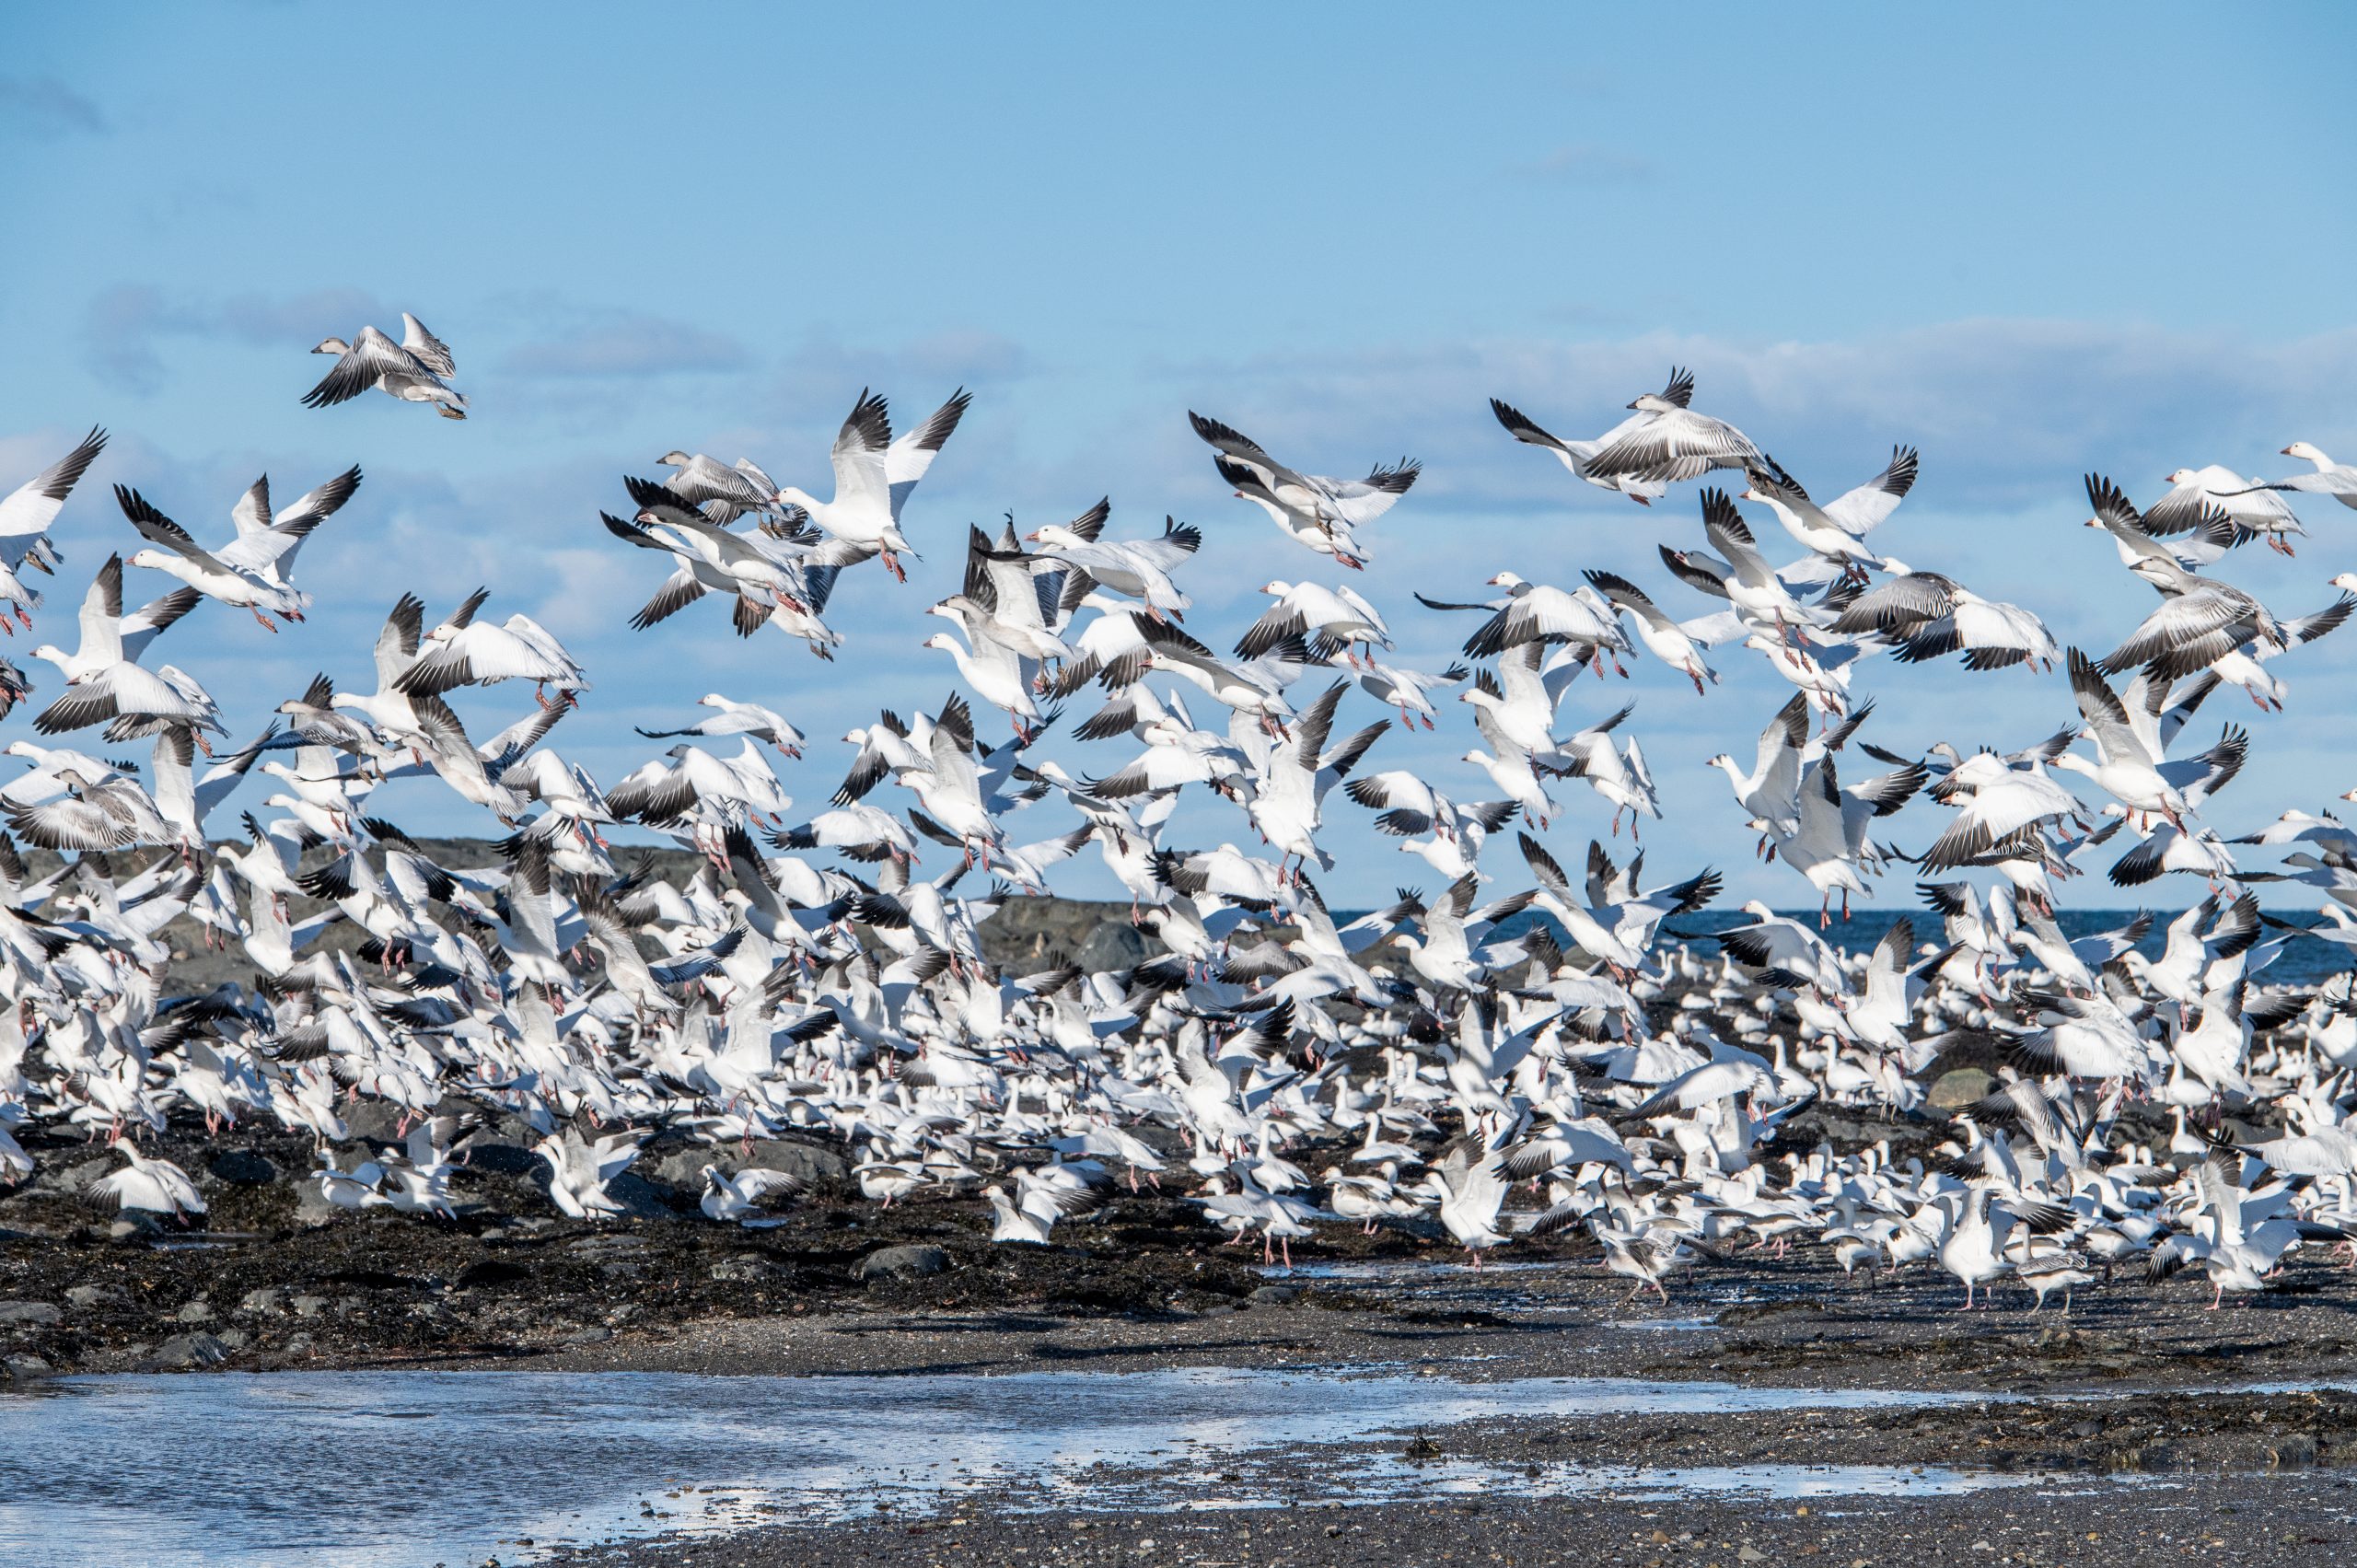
x=375 y=1470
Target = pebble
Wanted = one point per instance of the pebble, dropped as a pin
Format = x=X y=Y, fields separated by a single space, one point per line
x=28 y=1312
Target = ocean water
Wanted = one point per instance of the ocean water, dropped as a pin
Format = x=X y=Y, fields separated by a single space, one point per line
x=403 y=1469
x=2296 y=960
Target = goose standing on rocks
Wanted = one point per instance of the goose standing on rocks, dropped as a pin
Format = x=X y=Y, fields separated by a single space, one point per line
x=412 y=369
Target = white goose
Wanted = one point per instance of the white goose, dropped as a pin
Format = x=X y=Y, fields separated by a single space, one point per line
x=26 y=514
x=874 y=475
x=412 y=369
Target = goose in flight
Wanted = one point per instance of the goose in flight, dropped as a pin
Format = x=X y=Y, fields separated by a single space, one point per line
x=1673 y=442
x=1666 y=640
x=874 y=476
x=1837 y=531
x=104 y=678
x=155 y=1186
x=2197 y=495
x=412 y=369
x=1305 y=505
x=256 y=523
x=1136 y=569
x=579 y=1170
x=1930 y=615
x=764 y=724
x=1338 y=617
x=1579 y=456
x=231 y=576
x=2131 y=766
x=26 y=514
x=2200 y=621
x=2336 y=480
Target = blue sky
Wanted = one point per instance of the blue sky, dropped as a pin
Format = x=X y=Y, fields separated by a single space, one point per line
x=2031 y=240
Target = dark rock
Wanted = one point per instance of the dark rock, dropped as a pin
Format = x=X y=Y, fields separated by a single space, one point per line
x=374 y=1119
x=90 y=1295
x=269 y=1301
x=24 y=1368
x=502 y=1158
x=184 y=1350
x=745 y=1268
x=587 y=1336
x=908 y=1263
x=245 y=1168
x=1275 y=1295
x=640 y=1199
x=1114 y=944
x=28 y=1312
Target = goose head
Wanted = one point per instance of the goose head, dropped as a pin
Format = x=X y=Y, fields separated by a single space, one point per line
x=333 y=345
x=2307 y=452
x=676 y=458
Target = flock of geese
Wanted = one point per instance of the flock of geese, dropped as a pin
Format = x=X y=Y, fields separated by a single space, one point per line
x=1531 y=1049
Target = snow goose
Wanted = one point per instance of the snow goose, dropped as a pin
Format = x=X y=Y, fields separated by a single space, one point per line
x=579 y=1170
x=1291 y=781
x=463 y=651
x=703 y=482
x=2245 y=665
x=762 y=569
x=1535 y=612
x=1769 y=791
x=1664 y=638
x=1823 y=530
x=2129 y=767
x=231 y=576
x=1138 y=569
x=268 y=541
x=2336 y=480
x=1305 y=505
x=92 y=813
x=1409 y=690
x=875 y=475
x=2200 y=621
x=743 y=1195
x=1931 y=615
x=104 y=678
x=730 y=717
x=1577 y=456
x=1761 y=597
x=1339 y=617
x=1253 y=689
x=2214 y=534
x=1673 y=443
x=26 y=514
x=995 y=672
x=154 y=1186
x=2197 y=495
x=1471 y=1186
x=412 y=369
